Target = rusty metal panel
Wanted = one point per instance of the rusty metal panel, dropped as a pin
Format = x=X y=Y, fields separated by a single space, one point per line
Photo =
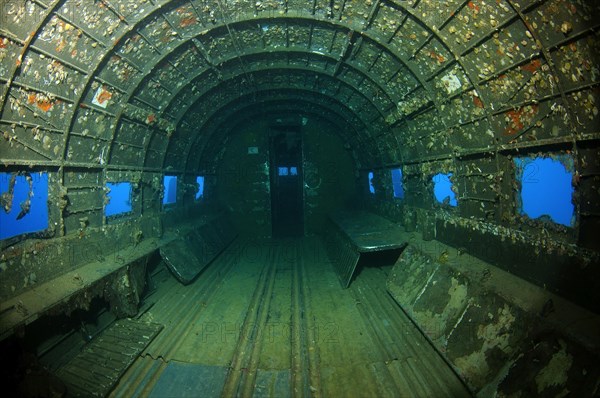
x=274 y=35
x=86 y=150
x=154 y=93
x=123 y=154
x=81 y=199
x=577 y=62
x=556 y=19
x=435 y=13
x=136 y=49
x=386 y=20
x=40 y=143
x=185 y=20
x=131 y=9
x=299 y=35
x=132 y=134
x=97 y=18
x=464 y=26
x=51 y=76
x=159 y=33
x=36 y=108
x=219 y=48
x=16 y=16
x=73 y=178
x=66 y=42
x=119 y=73
x=321 y=39
x=434 y=56
x=9 y=51
x=531 y=122
x=154 y=157
x=92 y=123
x=409 y=38
x=77 y=223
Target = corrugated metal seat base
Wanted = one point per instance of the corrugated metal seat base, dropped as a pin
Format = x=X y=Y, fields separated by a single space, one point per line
x=97 y=368
x=351 y=234
x=188 y=255
x=342 y=254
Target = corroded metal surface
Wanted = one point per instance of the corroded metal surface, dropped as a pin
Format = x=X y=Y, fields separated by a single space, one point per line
x=489 y=325
x=503 y=71
x=122 y=90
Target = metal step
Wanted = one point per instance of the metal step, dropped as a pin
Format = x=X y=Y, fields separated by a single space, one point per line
x=97 y=368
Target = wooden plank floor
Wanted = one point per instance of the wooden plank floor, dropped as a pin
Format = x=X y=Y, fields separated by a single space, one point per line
x=268 y=318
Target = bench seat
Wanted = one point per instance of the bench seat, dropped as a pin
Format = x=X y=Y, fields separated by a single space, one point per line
x=352 y=233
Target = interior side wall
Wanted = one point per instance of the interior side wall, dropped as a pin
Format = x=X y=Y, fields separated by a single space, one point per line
x=329 y=176
x=538 y=251
x=80 y=233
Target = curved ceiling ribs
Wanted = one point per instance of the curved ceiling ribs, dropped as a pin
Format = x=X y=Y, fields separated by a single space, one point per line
x=123 y=83
x=277 y=109
x=267 y=101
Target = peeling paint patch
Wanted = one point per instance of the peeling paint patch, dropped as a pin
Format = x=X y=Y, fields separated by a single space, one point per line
x=451 y=83
x=555 y=373
x=102 y=97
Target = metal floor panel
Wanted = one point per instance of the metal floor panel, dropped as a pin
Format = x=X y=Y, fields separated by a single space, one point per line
x=183 y=380
x=274 y=321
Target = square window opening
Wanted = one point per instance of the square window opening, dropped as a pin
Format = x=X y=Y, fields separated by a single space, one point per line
x=170 y=190
x=397 y=183
x=119 y=198
x=293 y=171
x=546 y=188
x=24 y=199
x=444 y=189
x=200 y=191
x=282 y=171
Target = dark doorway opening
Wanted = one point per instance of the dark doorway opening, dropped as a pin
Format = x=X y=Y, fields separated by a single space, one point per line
x=287 y=200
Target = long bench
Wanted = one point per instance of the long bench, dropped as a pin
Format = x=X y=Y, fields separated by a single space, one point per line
x=189 y=254
x=352 y=234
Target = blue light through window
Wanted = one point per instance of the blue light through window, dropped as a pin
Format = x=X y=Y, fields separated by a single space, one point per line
x=119 y=198
x=293 y=171
x=170 y=192
x=397 y=183
x=546 y=188
x=24 y=206
x=282 y=171
x=371 y=186
x=200 y=182
x=442 y=189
